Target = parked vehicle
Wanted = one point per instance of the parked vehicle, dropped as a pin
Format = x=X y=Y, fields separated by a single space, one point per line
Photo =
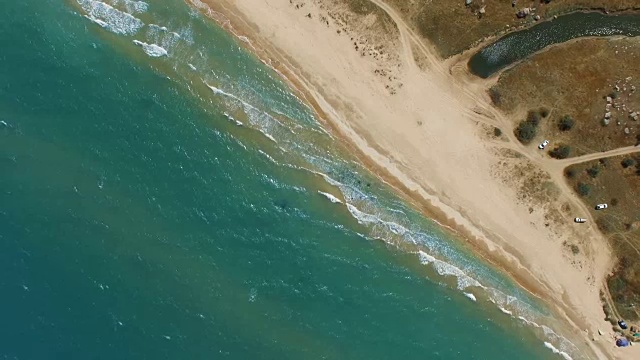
x=543 y=145
x=601 y=206
x=580 y=220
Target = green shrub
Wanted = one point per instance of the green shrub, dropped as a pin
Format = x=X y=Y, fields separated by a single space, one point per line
x=525 y=132
x=583 y=189
x=544 y=112
x=497 y=132
x=534 y=117
x=628 y=162
x=575 y=249
x=560 y=152
x=495 y=96
x=566 y=123
x=361 y=7
x=570 y=173
x=593 y=171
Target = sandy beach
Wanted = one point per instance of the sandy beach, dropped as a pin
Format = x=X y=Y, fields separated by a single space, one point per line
x=427 y=133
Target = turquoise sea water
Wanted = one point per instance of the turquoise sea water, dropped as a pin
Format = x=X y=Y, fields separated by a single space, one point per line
x=171 y=199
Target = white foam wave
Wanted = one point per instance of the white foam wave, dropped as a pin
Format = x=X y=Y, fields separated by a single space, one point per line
x=249 y=109
x=349 y=192
x=97 y=21
x=268 y=156
x=245 y=39
x=550 y=346
x=508 y=312
x=444 y=268
x=158 y=27
x=130 y=6
x=362 y=217
x=331 y=198
x=268 y=136
x=528 y=322
x=152 y=50
x=218 y=91
x=110 y=18
x=162 y=36
x=192 y=67
x=232 y=119
x=263 y=121
x=470 y=296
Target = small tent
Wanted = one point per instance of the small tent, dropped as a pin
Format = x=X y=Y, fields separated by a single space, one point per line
x=622 y=324
x=622 y=342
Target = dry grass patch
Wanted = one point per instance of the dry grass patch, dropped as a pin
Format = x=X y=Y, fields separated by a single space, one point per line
x=573 y=81
x=454 y=27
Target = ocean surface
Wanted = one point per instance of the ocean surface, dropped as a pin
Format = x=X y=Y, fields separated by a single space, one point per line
x=164 y=195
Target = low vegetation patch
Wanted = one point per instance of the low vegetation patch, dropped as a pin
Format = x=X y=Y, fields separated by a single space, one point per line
x=528 y=128
x=619 y=186
x=628 y=162
x=525 y=132
x=566 y=123
x=583 y=189
x=594 y=101
x=560 y=152
x=594 y=171
x=362 y=7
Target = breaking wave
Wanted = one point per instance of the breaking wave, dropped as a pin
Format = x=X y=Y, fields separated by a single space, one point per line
x=130 y=6
x=110 y=18
x=444 y=269
x=331 y=198
x=550 y=346
x=152 y=50
x=470 y=296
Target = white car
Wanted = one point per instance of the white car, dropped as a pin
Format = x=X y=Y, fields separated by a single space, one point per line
x=543 y=145
x=601 y=206
x=580 y=220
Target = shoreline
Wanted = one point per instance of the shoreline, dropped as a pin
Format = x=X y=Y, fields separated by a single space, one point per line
x=422 y=204
x=382 y=165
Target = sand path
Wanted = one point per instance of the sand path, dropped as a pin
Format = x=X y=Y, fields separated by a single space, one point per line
x=596 y=156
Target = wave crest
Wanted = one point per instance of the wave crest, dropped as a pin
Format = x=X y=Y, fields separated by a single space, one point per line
x=110 y=18
x=152 y=50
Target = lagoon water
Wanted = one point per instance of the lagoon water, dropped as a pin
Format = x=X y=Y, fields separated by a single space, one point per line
x=519 y=45
x=163 y=195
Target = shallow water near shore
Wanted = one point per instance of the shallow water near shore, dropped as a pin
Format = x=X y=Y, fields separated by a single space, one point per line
x=165 y=196
x=518 y=45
